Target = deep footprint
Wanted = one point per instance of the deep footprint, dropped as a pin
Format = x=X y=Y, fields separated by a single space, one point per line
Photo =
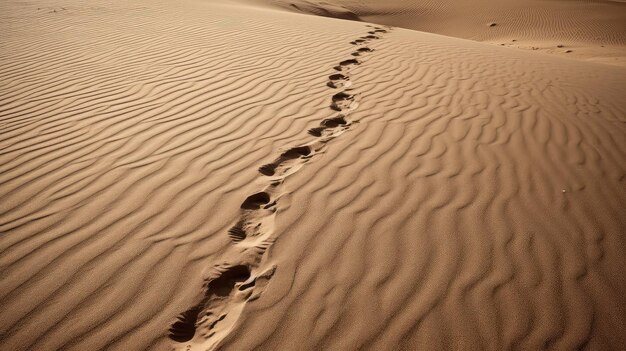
x=334 y=122
x=255 y=201
x=341 y=101
x=346 y=63
x=224 y=296
x=184 y=329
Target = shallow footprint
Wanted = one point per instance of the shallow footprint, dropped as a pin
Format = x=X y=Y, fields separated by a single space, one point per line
x=357 y=42
x=286 y=161
x=329 y=126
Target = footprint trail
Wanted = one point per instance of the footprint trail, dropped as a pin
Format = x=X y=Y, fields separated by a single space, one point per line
x=244 y=272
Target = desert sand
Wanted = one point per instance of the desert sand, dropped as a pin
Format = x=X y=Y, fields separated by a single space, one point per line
x=340 y=175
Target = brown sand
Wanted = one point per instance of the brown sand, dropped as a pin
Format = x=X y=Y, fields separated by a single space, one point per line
x=593 y=30
x=226 y=175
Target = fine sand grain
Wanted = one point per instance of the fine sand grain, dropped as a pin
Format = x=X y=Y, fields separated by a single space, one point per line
x=206 y=175
x=592 y=30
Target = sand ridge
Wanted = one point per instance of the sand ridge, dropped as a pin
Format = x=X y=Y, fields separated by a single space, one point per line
x=587 y=30
x=232 y=284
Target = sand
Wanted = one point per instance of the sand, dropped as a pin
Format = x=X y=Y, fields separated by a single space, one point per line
x=241 y=175
x=583 y=29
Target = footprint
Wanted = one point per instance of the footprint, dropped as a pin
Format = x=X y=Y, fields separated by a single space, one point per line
x=238 y=233
x=341 y=101
x=345 y=63
x=231 y=286
x=357 y=42
x=224 y=284
x=185 y=327
x=218 y=311
x=361 y=51
x=329 y=124
x=338 y=80
x=256 y=201
x=317 y=131
x=334 y=122
x=254 y=222
x=217 y=292
x=282 y=165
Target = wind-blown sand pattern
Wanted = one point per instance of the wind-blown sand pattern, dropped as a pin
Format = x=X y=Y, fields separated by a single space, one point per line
x=584 y=29
x=232 y=284
x=233 y=176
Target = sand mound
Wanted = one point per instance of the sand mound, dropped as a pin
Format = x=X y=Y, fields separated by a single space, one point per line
x=324 y=9
x=589 y=30
x=214 y=175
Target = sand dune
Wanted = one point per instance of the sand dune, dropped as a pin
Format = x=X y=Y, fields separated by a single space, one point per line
x=589 y=30
x=226 y=175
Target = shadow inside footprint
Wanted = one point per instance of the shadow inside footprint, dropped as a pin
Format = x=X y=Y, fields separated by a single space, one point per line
x=296 y=152
x=225 y=283
x=337 y=76
x=345 y=63
x=317 y=131
x=255 y=201
x=334 y=122
x=341 y=96
x=336 y=80
x=328 y=123
x=268 y=169
x=341 y=101
x=184 y=328
x=349 y=62
x=237 y=232
x=293 y=153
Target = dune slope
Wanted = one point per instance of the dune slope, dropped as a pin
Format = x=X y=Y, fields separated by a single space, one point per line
x=590 y=30
x=183 y=177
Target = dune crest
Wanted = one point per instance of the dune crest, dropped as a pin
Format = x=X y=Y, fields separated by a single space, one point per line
x=587 y=30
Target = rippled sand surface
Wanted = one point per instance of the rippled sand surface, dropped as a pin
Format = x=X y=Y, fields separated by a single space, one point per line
x=309 y=176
